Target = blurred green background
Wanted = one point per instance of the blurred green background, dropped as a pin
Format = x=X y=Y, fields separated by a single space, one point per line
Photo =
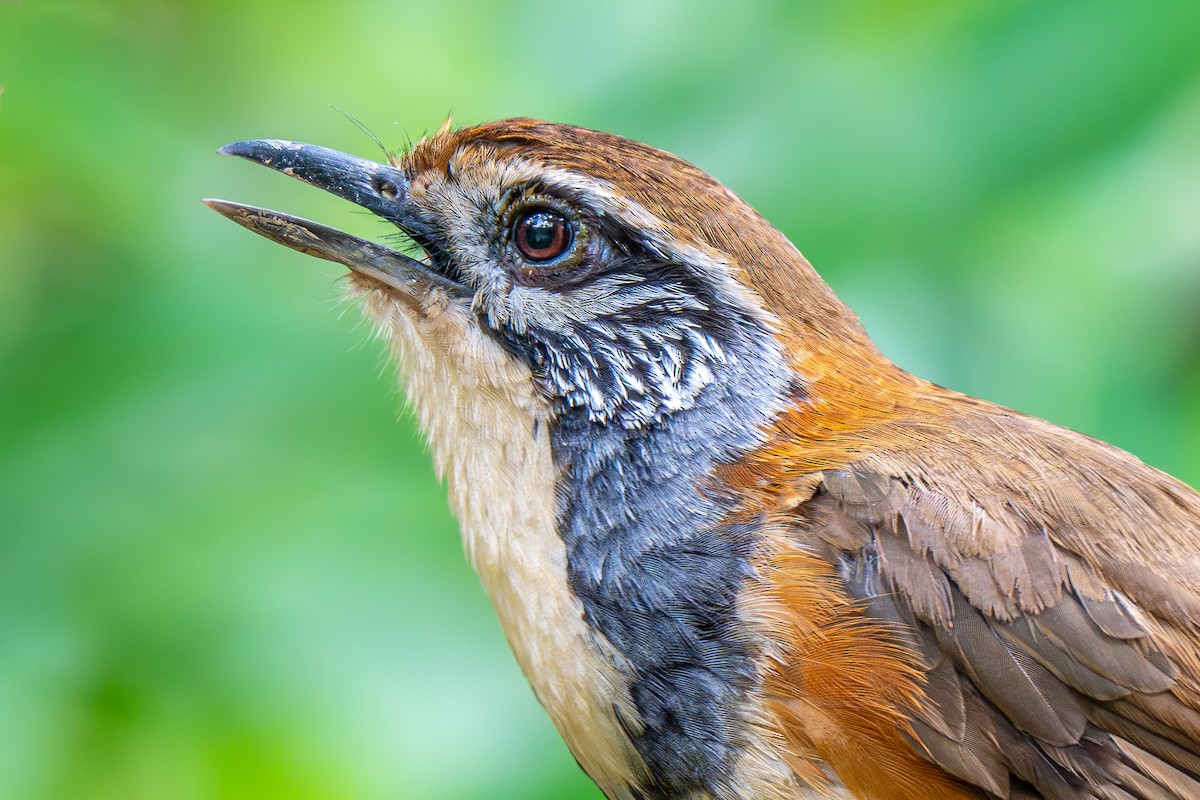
x=226 y=569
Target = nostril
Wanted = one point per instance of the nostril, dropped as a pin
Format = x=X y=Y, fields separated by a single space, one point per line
x=387 y=189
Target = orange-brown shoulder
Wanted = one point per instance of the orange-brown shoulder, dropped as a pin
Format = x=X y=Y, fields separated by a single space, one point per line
x=1013 y=513
x=843 y=685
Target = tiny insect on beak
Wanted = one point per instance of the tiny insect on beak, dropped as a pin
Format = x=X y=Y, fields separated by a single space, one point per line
x=379 y=188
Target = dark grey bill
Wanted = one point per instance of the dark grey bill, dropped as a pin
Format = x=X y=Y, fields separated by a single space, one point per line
x=379 y=188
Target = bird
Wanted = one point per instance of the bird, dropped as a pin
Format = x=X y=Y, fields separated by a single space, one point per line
x=737 y=552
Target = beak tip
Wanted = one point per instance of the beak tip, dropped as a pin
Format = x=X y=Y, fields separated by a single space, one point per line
x=225 y=208
x=264 y=151
x=251 y=148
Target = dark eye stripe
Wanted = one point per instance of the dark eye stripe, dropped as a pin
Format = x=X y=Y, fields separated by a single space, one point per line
x=542 y=234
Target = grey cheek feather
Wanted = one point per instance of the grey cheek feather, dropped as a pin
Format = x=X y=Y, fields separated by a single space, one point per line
x=628 y=379
x=651 y=398
x=625 y=350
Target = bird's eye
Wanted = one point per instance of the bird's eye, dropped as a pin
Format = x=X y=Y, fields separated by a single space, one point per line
x=542 y=234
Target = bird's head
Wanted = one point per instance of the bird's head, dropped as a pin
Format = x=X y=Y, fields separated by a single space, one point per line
x=620 y=278
x=601 y=343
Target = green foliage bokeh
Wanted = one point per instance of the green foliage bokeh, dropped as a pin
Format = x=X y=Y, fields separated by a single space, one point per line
x=226 y=568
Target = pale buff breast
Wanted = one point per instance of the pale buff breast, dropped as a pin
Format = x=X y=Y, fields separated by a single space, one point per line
x=489 y=437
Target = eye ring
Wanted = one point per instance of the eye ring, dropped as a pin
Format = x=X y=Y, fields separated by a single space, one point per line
x=542 y=234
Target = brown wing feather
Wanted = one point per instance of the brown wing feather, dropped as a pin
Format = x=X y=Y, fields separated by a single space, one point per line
x=1051 y=590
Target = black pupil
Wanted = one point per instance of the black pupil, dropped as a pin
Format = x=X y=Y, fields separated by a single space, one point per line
x=542 y=235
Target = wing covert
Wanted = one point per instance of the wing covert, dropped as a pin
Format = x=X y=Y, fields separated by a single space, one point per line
x=1041 y=678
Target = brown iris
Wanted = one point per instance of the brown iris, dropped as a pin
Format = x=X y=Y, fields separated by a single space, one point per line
x=542 y=234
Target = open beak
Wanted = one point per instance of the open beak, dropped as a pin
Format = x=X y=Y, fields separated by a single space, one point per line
x=379 y=188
